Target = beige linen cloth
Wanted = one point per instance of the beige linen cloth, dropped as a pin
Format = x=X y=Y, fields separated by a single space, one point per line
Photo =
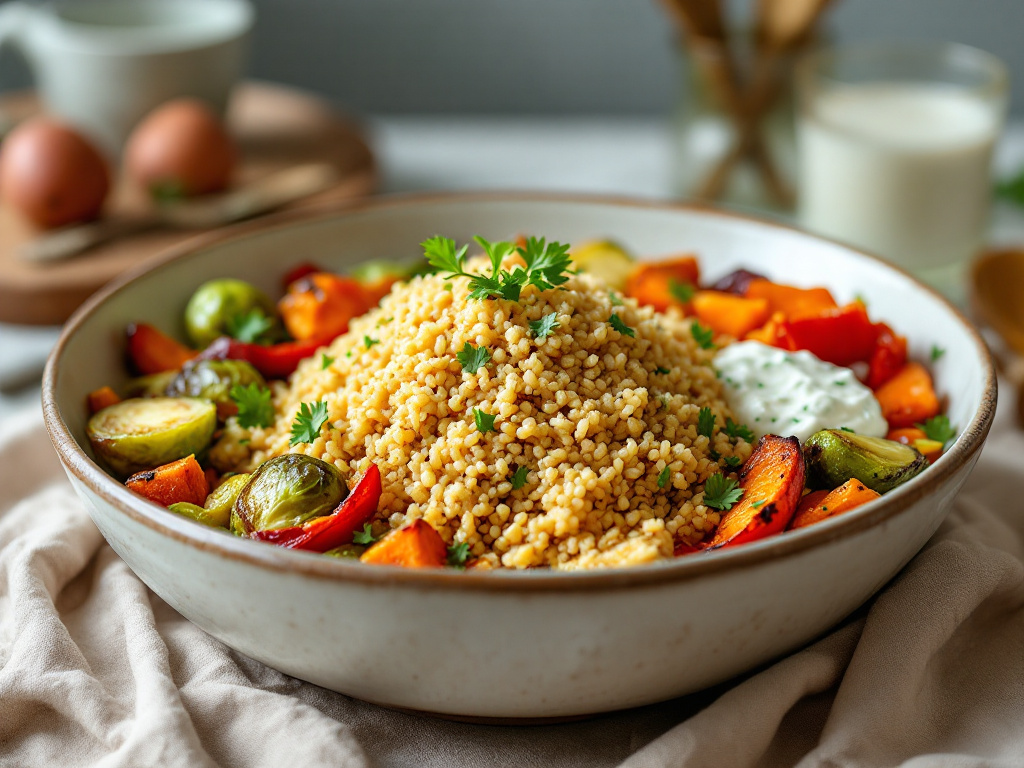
x=95 y=670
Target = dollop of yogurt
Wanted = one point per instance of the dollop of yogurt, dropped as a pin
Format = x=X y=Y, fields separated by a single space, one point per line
x=785 y=393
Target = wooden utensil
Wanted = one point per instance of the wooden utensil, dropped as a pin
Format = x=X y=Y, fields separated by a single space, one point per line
x=997 y=299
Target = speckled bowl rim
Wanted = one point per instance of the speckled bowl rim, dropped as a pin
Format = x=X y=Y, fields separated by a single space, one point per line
x=682 y=569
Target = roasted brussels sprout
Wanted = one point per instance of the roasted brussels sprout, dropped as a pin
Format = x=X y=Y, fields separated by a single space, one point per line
x=287 y=491
x=604 y=259
x=143 y=433
x=216 y=512
x=834 y=456
x=218 y=305
x=376 y=271
x=213 y=379
x=153 y=385
x=195 y=512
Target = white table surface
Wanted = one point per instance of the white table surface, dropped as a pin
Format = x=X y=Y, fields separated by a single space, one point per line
x=621 y=156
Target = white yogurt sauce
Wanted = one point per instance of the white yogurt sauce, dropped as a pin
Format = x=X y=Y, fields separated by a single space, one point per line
x=777 y=392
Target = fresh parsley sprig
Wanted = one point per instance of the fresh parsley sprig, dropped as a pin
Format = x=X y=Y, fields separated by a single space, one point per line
x=664 y=476
x=616 y=322
x=254 y=407
x=458 y=554
x=364 y=536
x=519 y=478
x=703 y=336
x=706 y=422
x=308 y=422
x=734 y=430
x=471 y=358
x=252 y=327
x=938 y=429
x=484 y=421
x=721 y=492
x=544 y=327
x=325 y=361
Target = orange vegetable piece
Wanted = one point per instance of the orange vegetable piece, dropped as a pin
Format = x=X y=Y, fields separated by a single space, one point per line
x=321 y=305
x=153 y=351
x=773 y=333
x=181 y=480
x=790 y=300
x=847 y=496
x=378 y=289
x=772 y=480
x=889 y=356
x=913 y=436
x=908 y=397
x=101 y=398
x=807 y=502
x=417 y=545
x=730 y=314
x=841 y=336
x=651 y=282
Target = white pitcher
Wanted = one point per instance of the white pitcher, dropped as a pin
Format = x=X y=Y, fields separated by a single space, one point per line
x=101 y=65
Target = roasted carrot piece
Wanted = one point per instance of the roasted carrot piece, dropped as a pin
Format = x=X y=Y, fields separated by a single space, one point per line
x=841 y=336
x=773 y=333
x=807 y=502
x=653 y=282
x=889 y=356
x=181 y=480
x=321 y=305
x=847 y=496
x=790 y=300
x=730 y=314
x=152 y=351
x=915 y=437
x=417 y=545
x=908 y=397
x=101 y=398
x=772 y=480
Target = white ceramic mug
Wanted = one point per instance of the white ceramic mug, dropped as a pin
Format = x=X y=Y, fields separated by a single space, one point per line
x=101 y=65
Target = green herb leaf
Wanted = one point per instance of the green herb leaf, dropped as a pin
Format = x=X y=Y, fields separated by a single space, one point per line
x=613 y=297
x=254 y=408
x=1012 y=190
x=519 y=478
x=364 y=536
x=308 y=422
x=484 y=421
x=250 y=327
x=473 y=358
x=734 y=430
x=458 y=554
x=733 y=461
x=616 y=322
x=706 y=422
x=721 y=492
x=662 y=370
x=496 y=252
x=758 y=503
x=368 y=342
x=542 y=328
x=703 y=336
x=937 y=352
x=681 y=292
x=547 y=264
x=325 y=361
x=441 y=253
x=847 y=429
x=664 y=476
x=938 y=429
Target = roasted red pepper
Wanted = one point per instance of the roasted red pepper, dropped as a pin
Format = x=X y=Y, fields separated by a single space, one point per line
x=323 y=533
x=153 y=351
x=841 y=336
x=276 y=361
x=889 y=357
x=299 y=271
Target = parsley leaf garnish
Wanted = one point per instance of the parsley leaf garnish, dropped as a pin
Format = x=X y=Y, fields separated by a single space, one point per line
x=703 y=336
x=542 y=328
x=681 y=292
x=484 y=421
x=732 y=461
x=616 y=322
x=519 y=478
x=937 y=352
x=250 y=327
x=721 y=492
x=458 y=554
x=364 y=536
x=254 y=408
x=664 y=476
x=660 y=369
x=472 y=359
x=613 y=297
x=325 y=361
x=546 y=263
x=368 y=342
x=706 y=422
x=938 y=429
x=308 y=422
x=734 y=430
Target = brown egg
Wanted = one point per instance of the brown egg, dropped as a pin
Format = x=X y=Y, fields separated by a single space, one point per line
x=51 y=174
x=180 y=149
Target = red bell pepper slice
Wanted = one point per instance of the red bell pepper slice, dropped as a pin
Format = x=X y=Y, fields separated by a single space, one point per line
x=323 y=533
x=889 y=357
x=299 y=271
x=153 y=351
x=841 y=336
x=276 y=361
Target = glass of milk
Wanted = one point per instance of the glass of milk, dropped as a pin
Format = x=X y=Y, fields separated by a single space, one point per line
x=895 y=144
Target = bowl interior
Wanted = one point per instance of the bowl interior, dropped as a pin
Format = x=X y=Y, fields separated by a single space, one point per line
x=92 y=351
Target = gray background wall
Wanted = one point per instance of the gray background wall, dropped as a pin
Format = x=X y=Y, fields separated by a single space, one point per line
x=542 y=56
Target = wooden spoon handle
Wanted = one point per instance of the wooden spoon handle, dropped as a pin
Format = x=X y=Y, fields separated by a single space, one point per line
x=71 y=241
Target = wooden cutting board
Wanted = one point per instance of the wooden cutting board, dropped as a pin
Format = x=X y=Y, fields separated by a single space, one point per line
x=275 y=128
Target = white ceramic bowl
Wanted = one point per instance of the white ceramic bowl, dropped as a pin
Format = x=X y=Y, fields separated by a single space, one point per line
x=518 y=645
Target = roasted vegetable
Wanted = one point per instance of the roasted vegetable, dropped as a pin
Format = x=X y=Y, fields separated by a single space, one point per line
x=218 y=505
x=195 y=512
x=908 y=398
x=322 y=304
x=790 y=300
x=101 y=398
x=181 y=481
x=287 y=491
x=834 y=456
x=213 y=379
x=729 y=314
x=604 y=259
x=152 y=351
x=841 y=336
x=217 y=307
x=663 y=284
x=737 y=281
x=153 y=385
x=888 y=357
x=323 y=534
x=143 y=433
x=849 y=495
x=276 y=361
x=416 y=545
x=772 y=480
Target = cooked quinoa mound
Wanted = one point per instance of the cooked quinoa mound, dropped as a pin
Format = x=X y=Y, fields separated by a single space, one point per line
x=588 y=411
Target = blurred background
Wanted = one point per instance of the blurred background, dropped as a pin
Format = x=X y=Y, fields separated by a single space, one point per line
x=542 y=57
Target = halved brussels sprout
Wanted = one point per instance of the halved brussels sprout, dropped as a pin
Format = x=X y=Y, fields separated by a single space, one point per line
x=606 y=260
x=213 y=379
x=143 y=433
x=153 y=385
x=195 y=512
x=219 y=504
x=217 y=304
x=834 y=456
x=287 y=491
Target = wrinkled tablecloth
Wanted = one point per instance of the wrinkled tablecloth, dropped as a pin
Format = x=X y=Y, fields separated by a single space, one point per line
x=96 y=670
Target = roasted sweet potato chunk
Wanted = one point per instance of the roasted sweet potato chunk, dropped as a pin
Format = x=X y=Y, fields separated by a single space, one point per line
x=730 y=314
x=849 y=495
x=772 y=480
x=417 y=545
x=654 y=283
x=180 y=481
x=790 y=300
x=908 y=397
x=101 y=398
